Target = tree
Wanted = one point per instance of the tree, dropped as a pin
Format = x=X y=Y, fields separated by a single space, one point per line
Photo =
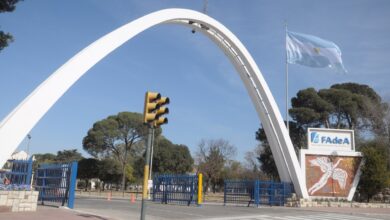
x=252 y=166
x=167 y=158
x=347 y=105
x=43 y=158
x=386 y=136
x=129 y=173
x=6 y=6
x=68 y=156
x=233 y=170
x=109 y=171
x=116 y=135
x=212 y=156
x=88 y=168
x=60 y=157
x=171 y=158
x=309 y=109
x=374 y=173
x=371 y=109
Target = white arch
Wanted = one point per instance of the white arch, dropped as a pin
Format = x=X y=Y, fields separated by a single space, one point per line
x=23 y=118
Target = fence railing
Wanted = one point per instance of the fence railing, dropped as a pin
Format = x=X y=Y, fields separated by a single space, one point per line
x=178 y=189
x=56 y=183
x=255 y=192
x=20 y=172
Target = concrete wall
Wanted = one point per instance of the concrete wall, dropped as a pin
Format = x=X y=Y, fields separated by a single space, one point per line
x=18 y=201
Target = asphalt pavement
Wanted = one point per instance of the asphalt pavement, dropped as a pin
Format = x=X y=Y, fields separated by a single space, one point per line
x=121 y=209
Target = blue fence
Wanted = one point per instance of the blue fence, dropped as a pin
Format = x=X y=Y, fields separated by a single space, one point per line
x=178 y=189
x=56 y=183
x=255 y=192
x=20 y=172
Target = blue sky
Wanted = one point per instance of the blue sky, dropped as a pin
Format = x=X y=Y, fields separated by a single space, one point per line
x=208 y=100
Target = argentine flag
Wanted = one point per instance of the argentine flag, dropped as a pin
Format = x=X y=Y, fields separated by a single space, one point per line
x=313 y=51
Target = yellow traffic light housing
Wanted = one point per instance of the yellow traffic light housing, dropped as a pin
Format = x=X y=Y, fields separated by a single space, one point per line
x=151 y=106
x=155 y=108
x=160 y=121
x=162 y=110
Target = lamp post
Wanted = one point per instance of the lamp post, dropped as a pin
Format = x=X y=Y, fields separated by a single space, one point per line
x=28 y=144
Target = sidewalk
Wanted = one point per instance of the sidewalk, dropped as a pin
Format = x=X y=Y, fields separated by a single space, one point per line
x=50 y=213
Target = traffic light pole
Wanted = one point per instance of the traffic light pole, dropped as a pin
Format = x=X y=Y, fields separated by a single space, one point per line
x=146 y=171
x=153 y=110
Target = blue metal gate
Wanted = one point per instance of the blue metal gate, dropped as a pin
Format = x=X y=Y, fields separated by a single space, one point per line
x=178 y=189
x=21 y=171
x=255 y=192
x=17 y=175
x=56 y=183
x=239 y=191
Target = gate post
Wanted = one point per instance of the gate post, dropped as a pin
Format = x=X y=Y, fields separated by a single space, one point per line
x=28 y=180
x=256 y=192
x=72 y=186
x=271 y=193
x=200 y=189
x=44 y=186
x=283 y=193
x=165 y=192
x=224 y=192
x=154 y=188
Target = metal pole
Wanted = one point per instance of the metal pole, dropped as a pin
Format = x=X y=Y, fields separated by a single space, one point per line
x=146 y=172
x=200 y=189
x=151 y=156
x=287 y=125
x=151 y=160
x=72 y=185
x=205 y=4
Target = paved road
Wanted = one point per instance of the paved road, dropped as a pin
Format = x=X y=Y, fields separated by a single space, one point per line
x=99 y=209
x=124 y=209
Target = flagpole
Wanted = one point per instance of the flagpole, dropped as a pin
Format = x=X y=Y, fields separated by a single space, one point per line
x=287 y=125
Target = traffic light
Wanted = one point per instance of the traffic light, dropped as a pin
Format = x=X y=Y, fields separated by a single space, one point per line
x=155 y=108
x=161 y=110
x=151 y=106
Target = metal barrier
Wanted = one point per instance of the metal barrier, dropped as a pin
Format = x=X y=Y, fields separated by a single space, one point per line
x=178 y=189
x=255 y=192
x=21 y=172
x=56 y=183
x=239 y=191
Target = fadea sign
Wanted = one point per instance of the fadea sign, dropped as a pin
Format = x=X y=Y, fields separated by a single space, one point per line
x=330 y=139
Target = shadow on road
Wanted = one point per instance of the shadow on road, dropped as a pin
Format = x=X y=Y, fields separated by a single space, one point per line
x=92 y=216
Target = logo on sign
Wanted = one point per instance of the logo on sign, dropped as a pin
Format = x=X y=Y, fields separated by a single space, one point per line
x=330 y=139
x=315 y=138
